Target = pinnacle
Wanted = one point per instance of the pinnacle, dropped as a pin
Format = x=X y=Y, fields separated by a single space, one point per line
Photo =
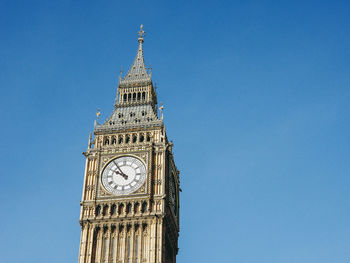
x=138 y=71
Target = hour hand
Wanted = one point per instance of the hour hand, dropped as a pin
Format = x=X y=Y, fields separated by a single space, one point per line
x=122 y=174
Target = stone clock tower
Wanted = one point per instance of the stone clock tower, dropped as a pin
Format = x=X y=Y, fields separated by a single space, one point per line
x=130 y=202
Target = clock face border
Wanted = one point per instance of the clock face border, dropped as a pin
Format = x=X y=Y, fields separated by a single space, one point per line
x=113 y=191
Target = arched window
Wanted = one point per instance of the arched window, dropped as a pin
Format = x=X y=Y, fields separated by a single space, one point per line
x=148 y=137
x=134 y=96
x=113 y=209
x=127 y=139
x=134 y=138
x=105 y=210
x=142 y=138
x=143 y=95
x=121 y=209
x=98 y=210
x=125 y=97
x=114 y=140
x=129 y=97
x=144 y=207
x=139 y=96
x=136 y=207
x=120 y=140
x=128 y=208
x=106 y=141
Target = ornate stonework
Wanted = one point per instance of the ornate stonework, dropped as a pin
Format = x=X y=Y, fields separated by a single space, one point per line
x=143 y=225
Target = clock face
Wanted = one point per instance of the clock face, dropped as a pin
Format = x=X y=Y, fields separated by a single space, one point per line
x=123 y=175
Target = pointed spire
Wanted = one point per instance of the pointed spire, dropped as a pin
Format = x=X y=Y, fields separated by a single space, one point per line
x=138 y=71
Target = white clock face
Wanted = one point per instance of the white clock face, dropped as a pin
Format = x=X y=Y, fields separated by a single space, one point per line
x=123 y=175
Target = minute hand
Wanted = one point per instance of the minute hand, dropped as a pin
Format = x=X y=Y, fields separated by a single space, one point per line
x=121 y=172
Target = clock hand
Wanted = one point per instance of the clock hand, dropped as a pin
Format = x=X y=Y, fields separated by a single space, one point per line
x=124 y=175
x=118 y=167
x=121 y=172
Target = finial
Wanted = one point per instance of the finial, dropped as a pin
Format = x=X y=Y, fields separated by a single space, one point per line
x=150 y=69
x=141 y=34
x=89 y=145
x=161 y=107
x=98 y=113
x=121 y=73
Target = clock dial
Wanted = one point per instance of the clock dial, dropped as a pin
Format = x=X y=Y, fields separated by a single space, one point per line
x=123 y=175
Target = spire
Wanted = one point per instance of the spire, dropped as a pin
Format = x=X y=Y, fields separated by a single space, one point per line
x=136 y=102
x=138 y=71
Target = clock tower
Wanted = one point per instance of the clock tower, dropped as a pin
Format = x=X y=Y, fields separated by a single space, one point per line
x=130 y=202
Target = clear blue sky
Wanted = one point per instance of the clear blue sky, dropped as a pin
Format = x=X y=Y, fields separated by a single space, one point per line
x=256 y=98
